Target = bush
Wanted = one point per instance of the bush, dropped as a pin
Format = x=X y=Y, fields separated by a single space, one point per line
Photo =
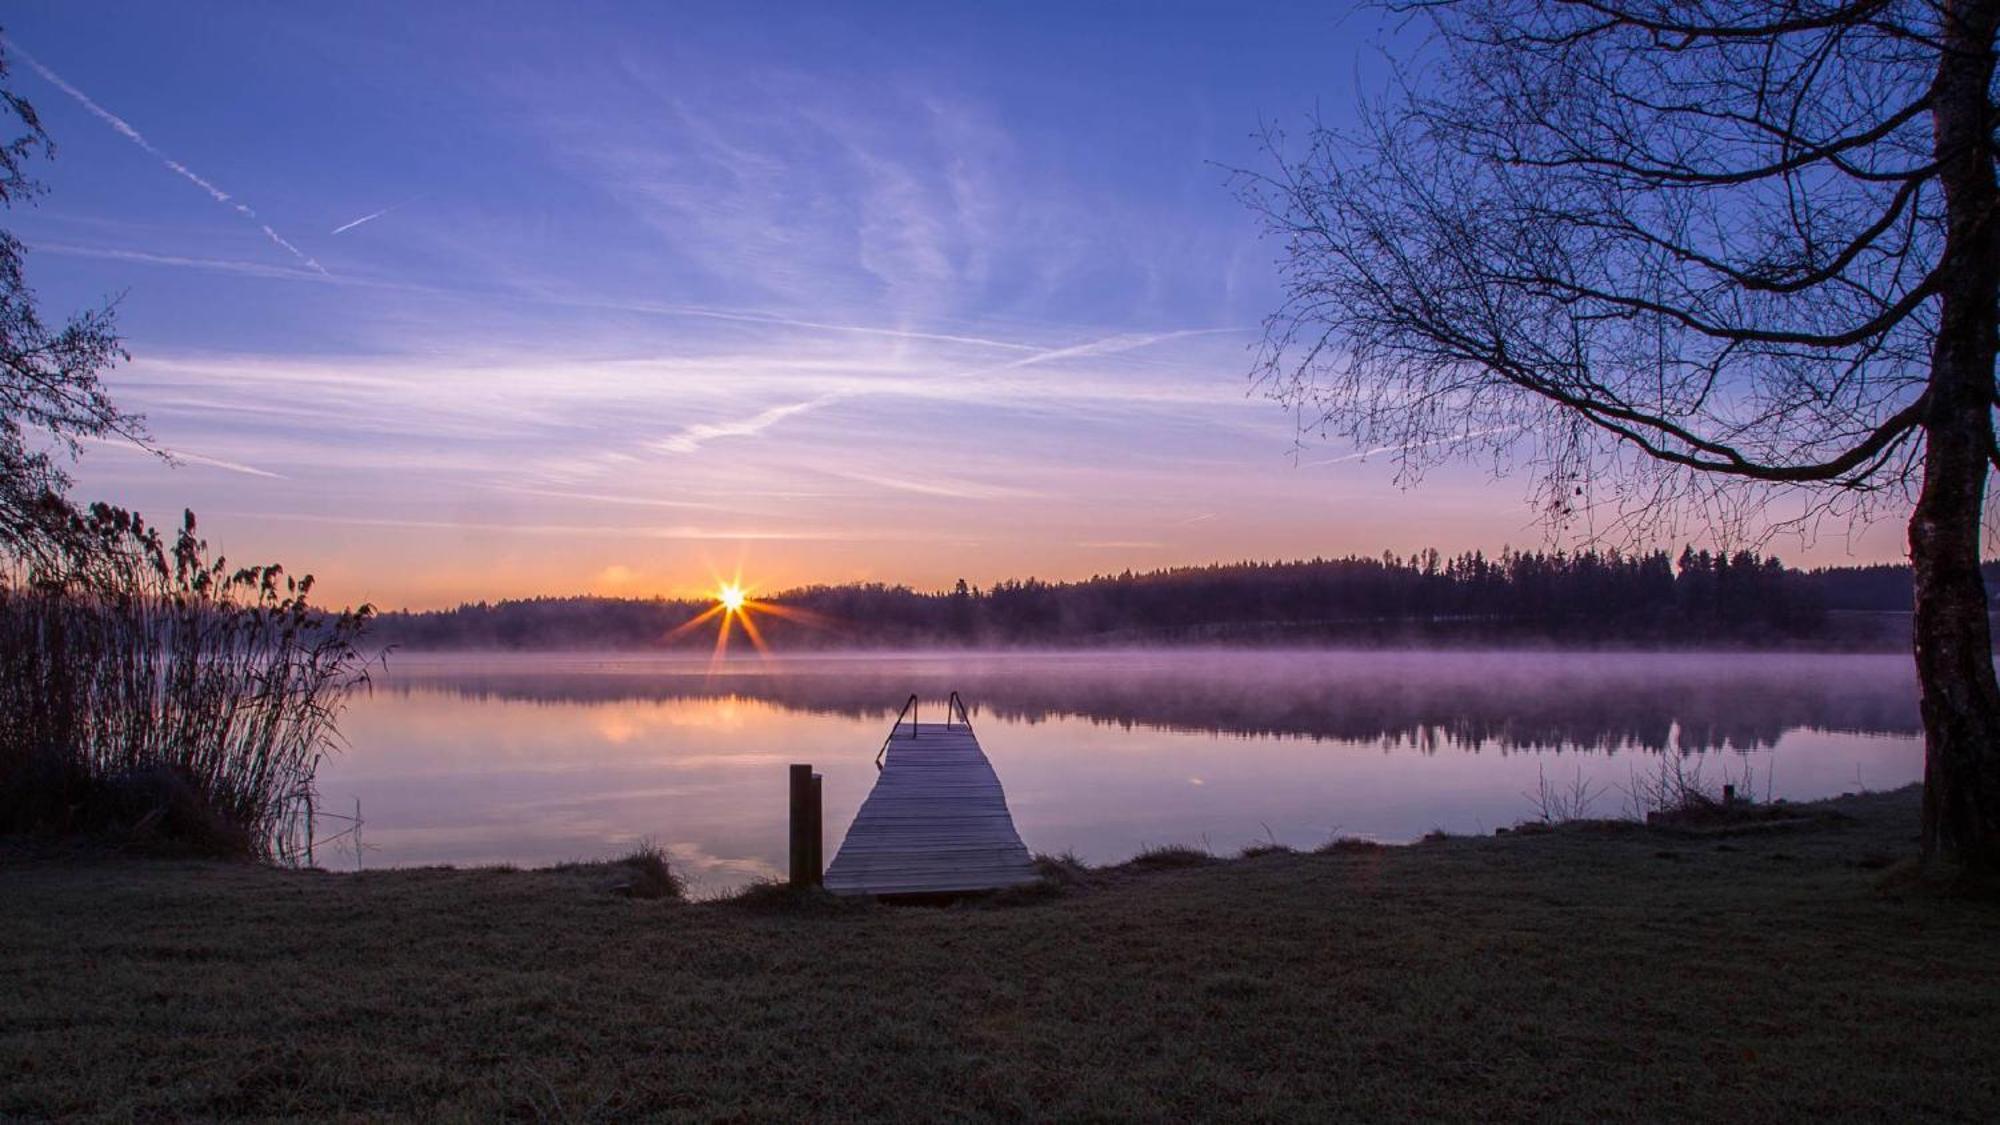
x=148 y=691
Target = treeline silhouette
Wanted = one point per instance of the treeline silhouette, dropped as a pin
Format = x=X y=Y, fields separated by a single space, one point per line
x=1877 y=589
x=1588 y=597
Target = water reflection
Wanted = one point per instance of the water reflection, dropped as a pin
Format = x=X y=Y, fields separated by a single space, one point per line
x=534 y=758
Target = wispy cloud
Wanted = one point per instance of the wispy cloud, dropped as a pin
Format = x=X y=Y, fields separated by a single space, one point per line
x=536 y=297
x=184 y=456
x=1108 y=345
x=610 y=498
x=796 y=192
x=744 y=317
x=218 y=265
x=125 y=129
x=692 y=532
x=1364 y=454
x=219 y=463
x=691 y=438
x=941 y=486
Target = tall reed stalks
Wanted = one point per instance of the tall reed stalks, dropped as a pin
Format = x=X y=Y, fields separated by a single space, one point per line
x=148 y=689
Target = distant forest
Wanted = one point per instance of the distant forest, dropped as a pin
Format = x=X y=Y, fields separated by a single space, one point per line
x=1591 y=598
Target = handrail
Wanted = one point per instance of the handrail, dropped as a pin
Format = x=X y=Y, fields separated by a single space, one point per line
x=958 y=705
x=910 y=709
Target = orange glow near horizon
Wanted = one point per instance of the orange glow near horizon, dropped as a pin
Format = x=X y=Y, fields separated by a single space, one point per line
x=734 y=606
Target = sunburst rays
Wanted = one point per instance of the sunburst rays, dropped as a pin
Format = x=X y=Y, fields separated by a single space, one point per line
x=735 y=605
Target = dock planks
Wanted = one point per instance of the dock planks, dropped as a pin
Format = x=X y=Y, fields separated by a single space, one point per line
x=935 y=823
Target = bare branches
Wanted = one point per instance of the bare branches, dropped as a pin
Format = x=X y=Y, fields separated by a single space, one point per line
x=51 y=398
x=1647 y=247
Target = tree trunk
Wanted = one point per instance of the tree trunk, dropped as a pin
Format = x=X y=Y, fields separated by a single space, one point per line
x=1953 y=639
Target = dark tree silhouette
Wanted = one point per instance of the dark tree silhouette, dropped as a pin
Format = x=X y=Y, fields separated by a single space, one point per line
x=1584 y=598
x=50 y=397
x=1681 y=258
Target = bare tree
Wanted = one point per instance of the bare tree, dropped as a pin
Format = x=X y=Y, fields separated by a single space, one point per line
x=1694 y=257
x=50 y=396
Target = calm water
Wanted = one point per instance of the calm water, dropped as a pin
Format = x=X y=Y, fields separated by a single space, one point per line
x=535 y=759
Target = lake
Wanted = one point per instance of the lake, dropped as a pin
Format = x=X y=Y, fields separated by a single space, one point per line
x=532 y=759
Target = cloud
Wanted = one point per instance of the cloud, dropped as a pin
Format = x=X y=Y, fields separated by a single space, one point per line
x=219 y=463
x=218 y=265
x=125 y=129
x=1109 y=345
x=696 y=312
x=776 y=320
x=1364 y=454
x=939 y=486
x=182 y=455
x=608 y=498
x=694 y=532
x=793 y=191
x=691 y=438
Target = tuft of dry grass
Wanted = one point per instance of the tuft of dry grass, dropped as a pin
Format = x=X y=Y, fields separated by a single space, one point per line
x=777 y=896
x=1349 y=845
x=1168 y=856
x=650 y=877
x=1781 y=976
x=643 y=872
x=1064 y=868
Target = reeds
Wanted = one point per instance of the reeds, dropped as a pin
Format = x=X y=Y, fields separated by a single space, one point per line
x=147 y=688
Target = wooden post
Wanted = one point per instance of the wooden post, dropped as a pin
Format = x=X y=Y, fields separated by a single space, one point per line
x=818 y=837
x=805 y=850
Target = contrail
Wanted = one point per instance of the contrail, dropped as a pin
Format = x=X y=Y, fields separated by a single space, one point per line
x=124 y=128
x=369 y=218
x=219 y=463
x=1109 y=345
x=1364 y=454
x=182 y=455
x=362 y=219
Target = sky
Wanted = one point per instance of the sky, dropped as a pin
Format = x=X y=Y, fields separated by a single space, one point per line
x=450 y=302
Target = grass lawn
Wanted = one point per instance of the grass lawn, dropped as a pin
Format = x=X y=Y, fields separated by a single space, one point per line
x=1575 y=974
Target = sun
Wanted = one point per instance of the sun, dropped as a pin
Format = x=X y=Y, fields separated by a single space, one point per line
x=734 y=607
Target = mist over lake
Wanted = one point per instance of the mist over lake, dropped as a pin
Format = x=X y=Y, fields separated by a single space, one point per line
x=539 y=758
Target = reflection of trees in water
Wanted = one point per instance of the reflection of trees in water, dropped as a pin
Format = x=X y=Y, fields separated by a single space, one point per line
x=1425 y=701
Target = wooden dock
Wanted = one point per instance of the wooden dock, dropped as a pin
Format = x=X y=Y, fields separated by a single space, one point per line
x=936 y=821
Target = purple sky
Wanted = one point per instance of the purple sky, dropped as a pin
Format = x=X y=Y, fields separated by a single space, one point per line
x=452 y=302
